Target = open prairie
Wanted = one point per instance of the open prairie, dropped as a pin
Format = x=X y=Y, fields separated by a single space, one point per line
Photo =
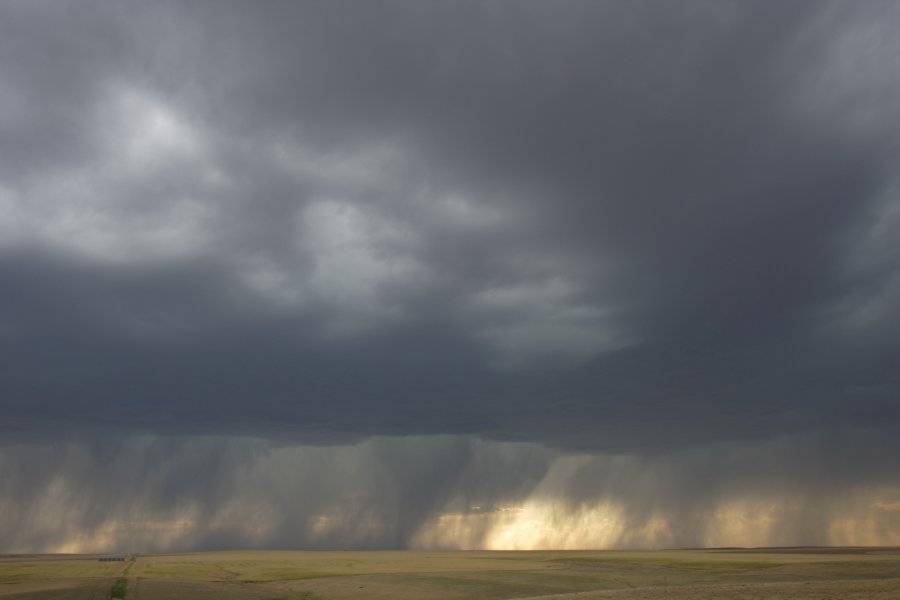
x=796 y=573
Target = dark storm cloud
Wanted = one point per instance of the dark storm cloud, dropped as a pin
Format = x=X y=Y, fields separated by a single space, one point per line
x=610 y=226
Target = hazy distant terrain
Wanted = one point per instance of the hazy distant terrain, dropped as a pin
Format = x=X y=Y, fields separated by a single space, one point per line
x=672 y=574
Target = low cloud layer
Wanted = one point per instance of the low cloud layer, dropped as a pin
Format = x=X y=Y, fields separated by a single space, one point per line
x=627 y=229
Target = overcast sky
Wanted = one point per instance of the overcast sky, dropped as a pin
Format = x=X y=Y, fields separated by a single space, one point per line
x=388 y=251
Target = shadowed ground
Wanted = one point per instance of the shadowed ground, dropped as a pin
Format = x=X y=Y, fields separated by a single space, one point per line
x=793 y=573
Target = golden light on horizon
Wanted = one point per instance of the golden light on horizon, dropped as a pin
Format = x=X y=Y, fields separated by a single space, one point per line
x=541 y=525
x=556 y=524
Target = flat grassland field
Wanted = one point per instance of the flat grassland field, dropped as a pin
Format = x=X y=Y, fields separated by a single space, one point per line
x=838 y=573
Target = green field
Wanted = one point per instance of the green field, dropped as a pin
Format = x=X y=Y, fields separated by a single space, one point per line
x=846 y=573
